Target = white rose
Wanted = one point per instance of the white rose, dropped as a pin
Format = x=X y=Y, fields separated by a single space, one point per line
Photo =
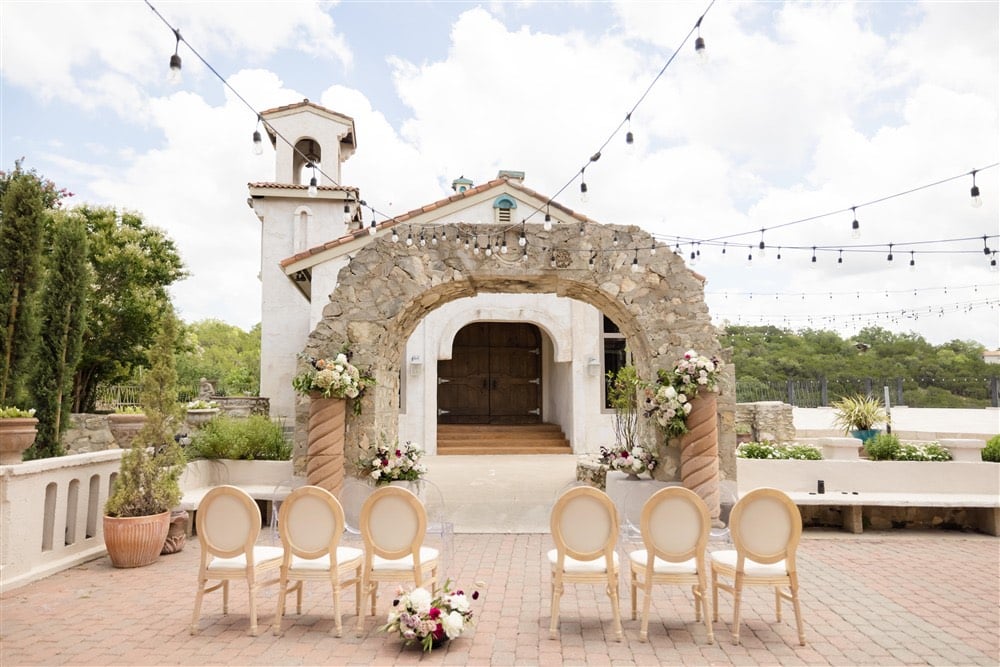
x=420 y=599
x=452 y=624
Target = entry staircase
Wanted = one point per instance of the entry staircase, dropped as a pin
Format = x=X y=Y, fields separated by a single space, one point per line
x=480 y=439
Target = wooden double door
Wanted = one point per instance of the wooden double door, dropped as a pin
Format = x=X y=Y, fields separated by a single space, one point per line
x=493 y=377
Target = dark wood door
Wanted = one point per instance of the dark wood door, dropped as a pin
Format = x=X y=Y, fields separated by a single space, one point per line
x=493 y=377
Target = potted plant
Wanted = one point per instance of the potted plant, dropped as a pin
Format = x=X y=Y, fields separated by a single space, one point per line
x=17 y=432
x=628 y=455
x=137 y=512
x=858 y=414
x=199 y=412
x=125 y=423
x=428 y=620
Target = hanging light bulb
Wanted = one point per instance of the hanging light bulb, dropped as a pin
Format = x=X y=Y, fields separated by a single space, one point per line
x=986 y=247
x=522 y=240
x=976 y=201
x=592 y=256
x=724 y=247
x=409 y=238
x=584 y=197
x=855 y=225
x=313 y=187
x=524 y=255
x=489 y=250
x=636 y=268
x=547 y=225
x=699 y=42
x=395 y=236
x=840 y=257
x=614 y=239
x=434 y=240
x=749 y=256
x=761 y=252
x=174 y=76
x=779 y=252
x=423 y=241
x=503 y=247
x=466 y=243
x=993 y=262
x=693 y=258
x=814 y=255
x=552 y=259
x=652 y=249
x=913 y=262
x=258 y=144
x=371 y=227
x=889 y=256
x=475 y=248
x=629 y=138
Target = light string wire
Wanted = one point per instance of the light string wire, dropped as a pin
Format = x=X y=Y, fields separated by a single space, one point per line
x=907 y=313
x=617 y=129
x=856 y=293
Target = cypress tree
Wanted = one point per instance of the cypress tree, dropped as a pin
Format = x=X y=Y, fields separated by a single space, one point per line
x=62 y=312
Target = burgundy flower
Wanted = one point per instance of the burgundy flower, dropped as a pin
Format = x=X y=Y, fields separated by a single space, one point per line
x=434 y=613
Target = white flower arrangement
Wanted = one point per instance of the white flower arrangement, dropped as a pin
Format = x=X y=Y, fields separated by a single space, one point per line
x=635 y=460
x=417 y=616
x=393 y=462
x=668 y=400
x=332 y=378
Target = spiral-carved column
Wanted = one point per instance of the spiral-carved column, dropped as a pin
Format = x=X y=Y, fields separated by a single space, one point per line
x=325 y=460
x=700 y=452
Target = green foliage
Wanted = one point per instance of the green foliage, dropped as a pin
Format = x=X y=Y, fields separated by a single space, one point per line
x=133 y=265
x=22 y=225
x=858 y=413
x=766 y=356
x=13 y=412
x=225 y=354
x=623 y=396
x=932 y=451
x=991 y=452
x=62 y=311
x=769 y=450
x=883 y=447
x=803 y=453
x=147 y=482
x=254 y=438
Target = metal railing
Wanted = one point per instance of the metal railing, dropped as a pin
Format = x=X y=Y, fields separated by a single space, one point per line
x=913 y=392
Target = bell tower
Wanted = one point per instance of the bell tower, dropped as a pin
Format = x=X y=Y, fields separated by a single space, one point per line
x=303 y=208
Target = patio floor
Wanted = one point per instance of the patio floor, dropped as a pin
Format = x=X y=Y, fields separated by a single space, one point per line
x=900 y=598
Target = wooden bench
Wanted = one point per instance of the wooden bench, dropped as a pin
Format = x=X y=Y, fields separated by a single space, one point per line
x=856 y=484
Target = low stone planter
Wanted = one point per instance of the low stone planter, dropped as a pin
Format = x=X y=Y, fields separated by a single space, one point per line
x=16 y=435
x=125 y=426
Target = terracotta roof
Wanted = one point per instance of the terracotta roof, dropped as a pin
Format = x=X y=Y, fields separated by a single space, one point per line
x=289 y=186
x=406 y=217
x=306 y=103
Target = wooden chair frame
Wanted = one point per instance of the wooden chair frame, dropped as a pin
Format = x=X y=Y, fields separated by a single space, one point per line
x=229 y=550
x=675 y=551
x=393 y=525
x=575 y=549
x=310 y=524
x=762 y=537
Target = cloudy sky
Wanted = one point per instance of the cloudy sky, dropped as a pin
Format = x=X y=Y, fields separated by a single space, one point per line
x=799 y=110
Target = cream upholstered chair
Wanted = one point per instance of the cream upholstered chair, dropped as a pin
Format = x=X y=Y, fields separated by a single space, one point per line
x=393 y=525
x=674 y=527
x=310 y=523
x=584 y=525
x=228 y=524
x=765 y=526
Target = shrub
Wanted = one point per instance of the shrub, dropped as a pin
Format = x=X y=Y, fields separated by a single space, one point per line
x=883 y=447
x=758 y=450
x=802 y=453
x=991 y=452
x=254 y=438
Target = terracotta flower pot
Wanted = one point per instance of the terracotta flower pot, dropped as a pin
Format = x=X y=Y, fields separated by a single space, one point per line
x=16 y=435
x=135 y=541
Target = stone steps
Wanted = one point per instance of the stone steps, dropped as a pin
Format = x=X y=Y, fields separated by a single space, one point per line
x=485 y=439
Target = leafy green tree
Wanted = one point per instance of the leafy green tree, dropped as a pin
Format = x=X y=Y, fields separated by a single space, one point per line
x=133 y=265
x=226 y=355
x=63 y=315
x=22 y=206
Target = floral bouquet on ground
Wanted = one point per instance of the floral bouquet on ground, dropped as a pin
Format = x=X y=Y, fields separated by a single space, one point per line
x=393 y=462
x=668 y=400
x=633 y=460
x=420 y=617
x=332 y=378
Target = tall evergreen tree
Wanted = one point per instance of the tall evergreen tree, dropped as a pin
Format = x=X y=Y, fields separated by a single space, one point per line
x=22 y=221
x=62 y=311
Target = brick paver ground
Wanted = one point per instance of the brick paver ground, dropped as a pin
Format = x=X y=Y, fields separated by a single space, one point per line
x=900 y=598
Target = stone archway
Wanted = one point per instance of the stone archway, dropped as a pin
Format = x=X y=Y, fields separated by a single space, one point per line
x=387 y=288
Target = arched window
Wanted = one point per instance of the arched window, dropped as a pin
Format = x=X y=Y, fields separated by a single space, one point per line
x=503 y=205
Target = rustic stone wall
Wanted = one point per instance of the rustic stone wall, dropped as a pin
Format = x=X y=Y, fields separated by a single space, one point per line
x=388 y=288
x=768 y=420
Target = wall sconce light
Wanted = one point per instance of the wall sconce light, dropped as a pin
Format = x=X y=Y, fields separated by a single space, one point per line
x=593 y=366
x=416 y=363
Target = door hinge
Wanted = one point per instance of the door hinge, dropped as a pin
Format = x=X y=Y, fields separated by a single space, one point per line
x=443 y=380
x=536 y=411
x=443 y=412
x=535 y=381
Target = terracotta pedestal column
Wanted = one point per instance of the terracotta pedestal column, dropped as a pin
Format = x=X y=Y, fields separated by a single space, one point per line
x=325 y=462
x=700 y=452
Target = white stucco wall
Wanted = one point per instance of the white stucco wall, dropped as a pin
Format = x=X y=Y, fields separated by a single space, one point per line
x=571 y=333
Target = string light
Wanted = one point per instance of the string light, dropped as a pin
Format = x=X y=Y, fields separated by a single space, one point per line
x=174 y=76
x=583 y=186
x=760 y=246
x=814 y=255
x=699 y=42
x=889 y=256
x=779 y=252
x=409 y=238
x=986 y=247
x=313 y=189
x=547 y=225
x=913 y=262
x=258 y=143
x=395 y=236
x=855 y=225
x=522 y=239
x=635 y=263
x=976 y=201
x=629 y=138
x=840 y=257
